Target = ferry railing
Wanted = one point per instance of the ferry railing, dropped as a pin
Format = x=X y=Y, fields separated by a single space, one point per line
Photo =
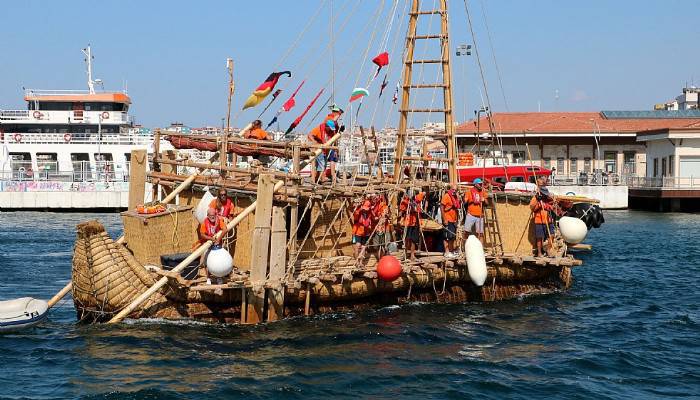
x=83 y=171
x=79 y=138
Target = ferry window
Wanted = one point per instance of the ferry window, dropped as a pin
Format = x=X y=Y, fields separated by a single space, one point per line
x=81 y=166
x=46 y=162
x=573 y=165
x=547 y=163
x=20 y=162
x=656 y=167
x=670 y=165
x=629 y=167
x=587 y=165
x=517 y=179
x=103 y=157
x=500 y=179
x=560 y=165
x=532 y=179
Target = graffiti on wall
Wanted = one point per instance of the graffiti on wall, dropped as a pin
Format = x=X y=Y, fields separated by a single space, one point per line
x=53 y=186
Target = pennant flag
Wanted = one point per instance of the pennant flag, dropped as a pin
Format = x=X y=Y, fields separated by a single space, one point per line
x=358 y=93
x=299 y=118
x=396 y=94
x=286 y=106
x=264 y=89
x=380 y=61
x=291 y=102
x=274 y=97
x=381 y=89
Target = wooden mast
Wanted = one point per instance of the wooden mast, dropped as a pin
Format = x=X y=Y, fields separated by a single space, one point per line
x=231 y=88
x=447 y=137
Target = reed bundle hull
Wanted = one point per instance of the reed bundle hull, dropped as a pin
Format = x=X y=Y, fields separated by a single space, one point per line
x=107 y=277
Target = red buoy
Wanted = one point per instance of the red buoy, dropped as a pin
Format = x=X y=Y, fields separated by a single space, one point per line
x=388 y=268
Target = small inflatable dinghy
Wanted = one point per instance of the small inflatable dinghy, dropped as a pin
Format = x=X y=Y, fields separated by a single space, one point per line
x=22 y=313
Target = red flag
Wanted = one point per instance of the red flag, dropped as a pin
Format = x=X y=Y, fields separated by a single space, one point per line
x=381 y=60
x=299 y=118
x=291 y=102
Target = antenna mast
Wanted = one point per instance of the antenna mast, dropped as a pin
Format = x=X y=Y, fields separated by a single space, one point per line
x=88 y=64
x=447 y=138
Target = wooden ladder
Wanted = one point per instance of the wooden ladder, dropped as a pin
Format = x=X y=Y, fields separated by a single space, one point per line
x=447 y=137
x=492 y=230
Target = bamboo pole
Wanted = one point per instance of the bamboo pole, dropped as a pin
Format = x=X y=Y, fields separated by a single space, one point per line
x=58 y=296
x=200 y=250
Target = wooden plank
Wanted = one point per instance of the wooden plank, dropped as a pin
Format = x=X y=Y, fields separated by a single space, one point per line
x=169 y=169
x=278 y=262
x=260 y=249
x=137 y=178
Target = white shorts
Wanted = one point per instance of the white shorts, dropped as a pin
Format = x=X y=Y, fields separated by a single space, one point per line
x=474 y=223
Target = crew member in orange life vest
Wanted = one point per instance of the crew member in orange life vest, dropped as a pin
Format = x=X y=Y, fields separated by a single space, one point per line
x=449 y=206
x=475 y=199
x=223 y=205
x=361 y=229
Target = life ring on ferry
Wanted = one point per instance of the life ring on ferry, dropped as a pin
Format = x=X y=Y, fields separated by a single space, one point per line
x=17 y=137
x=105 y=115
x=37 y=114
x=67 y=137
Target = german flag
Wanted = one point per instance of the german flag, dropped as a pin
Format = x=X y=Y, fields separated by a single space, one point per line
x=264 y=89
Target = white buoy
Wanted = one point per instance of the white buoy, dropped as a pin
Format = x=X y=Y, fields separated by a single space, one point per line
x=573 y=230
x=219 y=262
x=200 y=213
x=476 y=261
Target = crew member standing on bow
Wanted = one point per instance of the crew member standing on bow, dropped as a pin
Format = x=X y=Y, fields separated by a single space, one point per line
x=540 y=204
x=223 y=205
x=449 y=206
x=475 y=199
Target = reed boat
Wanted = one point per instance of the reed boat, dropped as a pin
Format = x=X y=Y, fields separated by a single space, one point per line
x=291 y=243
x=292 y=249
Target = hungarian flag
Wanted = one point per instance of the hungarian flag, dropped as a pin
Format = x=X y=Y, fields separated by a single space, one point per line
x=264 y=89
x=380 y=61
x=358 y=93
x=299 y=118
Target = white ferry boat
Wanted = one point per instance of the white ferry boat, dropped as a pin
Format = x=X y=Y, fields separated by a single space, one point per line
x=69 y=141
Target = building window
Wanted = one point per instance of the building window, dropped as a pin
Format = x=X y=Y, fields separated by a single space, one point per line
x=587 y=165
x=560 y=165
x=518 y=157
x=670 y=165
x=656 y=167
x=629 y=166
x=610 y=162
x=547 y=163
x=573 y=165
x=663 y=166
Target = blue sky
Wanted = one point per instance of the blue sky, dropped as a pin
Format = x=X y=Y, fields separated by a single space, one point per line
x=596 y=54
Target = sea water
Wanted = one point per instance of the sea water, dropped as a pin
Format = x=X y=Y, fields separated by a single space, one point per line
x=629 y=328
